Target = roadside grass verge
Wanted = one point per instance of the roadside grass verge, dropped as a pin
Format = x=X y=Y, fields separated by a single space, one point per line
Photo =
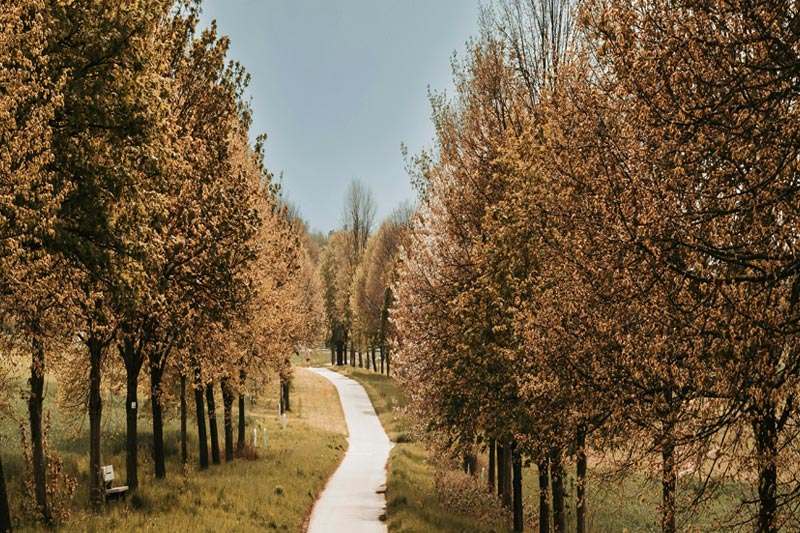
x=420 y=496
x=273 y=490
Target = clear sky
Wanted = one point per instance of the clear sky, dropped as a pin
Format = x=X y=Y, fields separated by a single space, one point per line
x=337 y=85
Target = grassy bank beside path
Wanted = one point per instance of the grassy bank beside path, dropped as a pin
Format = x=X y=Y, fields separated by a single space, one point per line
x=413 y=502
x=274 y=491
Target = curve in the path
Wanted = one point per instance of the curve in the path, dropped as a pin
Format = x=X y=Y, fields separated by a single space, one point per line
x=353 y=500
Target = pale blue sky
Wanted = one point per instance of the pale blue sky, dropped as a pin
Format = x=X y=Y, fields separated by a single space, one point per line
x=337 y=85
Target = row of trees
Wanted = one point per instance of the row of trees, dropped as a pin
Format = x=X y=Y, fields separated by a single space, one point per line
x=139 y=227
x=605 y=255
x=357 y=268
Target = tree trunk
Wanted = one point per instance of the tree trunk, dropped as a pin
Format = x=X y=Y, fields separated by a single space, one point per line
x=240 y=438
x=37 y=432
x=765 y=430
x=227 y=401
x=374 y=368
x=339 y=354
x=388 y=361
x=470 y=463
x=159 y=460
x=201 y=420
x=382 y=358
x=544 y=495
x=668 y=485
x=366 y=358
x=212 y=423
x=500 y=480
x=5 y=513
x=95 y=417
x=131 y=409
x=184 y=451
x=491 y=465
x=507 y=479
x=352 y=355
x=360 y=360
x=285 y=388
x=557 y=476
x=333 y=354
x=580 y=504
x=517 y=467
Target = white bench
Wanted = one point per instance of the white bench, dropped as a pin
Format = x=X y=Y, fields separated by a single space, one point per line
x=109 y=491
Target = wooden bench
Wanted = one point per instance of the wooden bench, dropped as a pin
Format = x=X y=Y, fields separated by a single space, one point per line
x=110 y=492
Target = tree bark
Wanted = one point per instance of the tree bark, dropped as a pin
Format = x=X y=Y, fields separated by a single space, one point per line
x=580 y=504
x=374 y=368
x=765 y=430
x=240 y=437
x=668 y=484
x=517 y=468
x=5 y=513
x=500 y=480
x=95 y=417
x=557 y=480
x=382 y=358
x=507 y=477
x=491 y=464
x=131 y=410
x=227 y=401
x=352 y=355
x=544 y=494
x=201 y=420
x=159 y=460
x=366 y=358
x=35 y=402
x=212 y=423
x=184 y=451
x=285 y=389
x=388 y=361
x=339 y=354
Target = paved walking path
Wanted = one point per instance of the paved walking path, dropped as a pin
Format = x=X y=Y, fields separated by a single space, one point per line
x=350 y=502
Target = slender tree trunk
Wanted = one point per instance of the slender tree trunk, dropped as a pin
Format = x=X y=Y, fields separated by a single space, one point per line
x=507 y=476
x=339 y=354
x=374 y=367
x=159 y=460
x=557 y=477
x=212 y=423
x=333 y=353
x=5 y=513
x=240 y=437
x=580 y=505
x=95 y=417
x=360 y=360
x=382 y=358
x=544 y=494
x=366 y=358
x=285 y=389
x=500 y=480
x=37 y=431
x=131 y=411
x=227 y=401
x=668 y=485
x=388 y=361
x=184 y=451
x=765 y=429
x=352 y=355
x=491 y=465
x=517 y=468
x=201 y=420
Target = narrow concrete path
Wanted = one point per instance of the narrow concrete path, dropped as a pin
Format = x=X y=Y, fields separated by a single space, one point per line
x=350 y=502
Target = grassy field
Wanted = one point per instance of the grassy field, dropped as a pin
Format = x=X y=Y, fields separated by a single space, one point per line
x=274 y=490
x=423 y=496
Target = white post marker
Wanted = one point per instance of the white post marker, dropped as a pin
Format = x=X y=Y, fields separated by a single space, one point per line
x=265 y=437
x=483 y=475
x=283 y=420
x=255 y=438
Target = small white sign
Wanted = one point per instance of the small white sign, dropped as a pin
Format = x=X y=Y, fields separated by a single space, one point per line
x=133 y=405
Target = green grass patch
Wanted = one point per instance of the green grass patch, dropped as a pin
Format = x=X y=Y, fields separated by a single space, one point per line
x=274 y=491
x=421 y=496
